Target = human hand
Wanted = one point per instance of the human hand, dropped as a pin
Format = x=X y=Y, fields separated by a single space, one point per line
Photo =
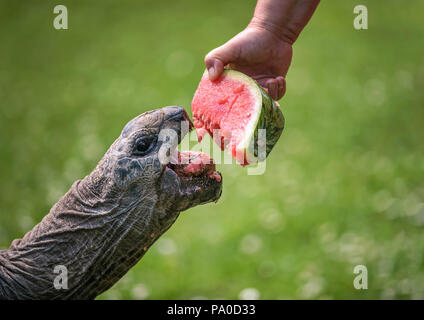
x=258 y=53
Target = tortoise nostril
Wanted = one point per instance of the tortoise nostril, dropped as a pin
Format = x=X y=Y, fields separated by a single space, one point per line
x=177 y=114
x=173 y=112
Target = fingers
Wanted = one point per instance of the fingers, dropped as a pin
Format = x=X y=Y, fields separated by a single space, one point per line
x=276 y=87
x=229 y=53
x=272 y=86
x=215 y=68
x=281 y=87
x=218 y=58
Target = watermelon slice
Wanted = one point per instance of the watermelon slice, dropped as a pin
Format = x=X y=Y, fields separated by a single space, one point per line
x=232 y=109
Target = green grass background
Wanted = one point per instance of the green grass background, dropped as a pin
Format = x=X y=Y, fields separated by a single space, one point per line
x=344 y=186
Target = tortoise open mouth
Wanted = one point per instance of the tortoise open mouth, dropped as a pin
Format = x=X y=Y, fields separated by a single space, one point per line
x=189 y=164
x=197 y=176
x=198 y=180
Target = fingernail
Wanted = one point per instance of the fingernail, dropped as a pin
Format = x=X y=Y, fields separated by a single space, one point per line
x=211 y=73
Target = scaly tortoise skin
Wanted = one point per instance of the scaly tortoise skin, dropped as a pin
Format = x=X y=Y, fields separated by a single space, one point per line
x=107 y=221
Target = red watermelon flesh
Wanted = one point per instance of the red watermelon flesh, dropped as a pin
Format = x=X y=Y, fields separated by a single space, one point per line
x=193 y=163
x=240 y=116
x=226 y=106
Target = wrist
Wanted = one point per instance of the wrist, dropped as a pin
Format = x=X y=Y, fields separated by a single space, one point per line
x=282 y=32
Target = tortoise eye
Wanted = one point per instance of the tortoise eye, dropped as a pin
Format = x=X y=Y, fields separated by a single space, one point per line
x=144 y=145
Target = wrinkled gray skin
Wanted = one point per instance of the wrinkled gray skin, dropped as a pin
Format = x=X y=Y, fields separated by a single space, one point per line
x=107 y=221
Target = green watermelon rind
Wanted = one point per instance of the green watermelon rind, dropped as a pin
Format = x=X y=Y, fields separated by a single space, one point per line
x=267 y=115
x=271 y=118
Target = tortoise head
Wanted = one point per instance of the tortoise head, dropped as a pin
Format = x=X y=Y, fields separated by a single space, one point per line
x=137 y=171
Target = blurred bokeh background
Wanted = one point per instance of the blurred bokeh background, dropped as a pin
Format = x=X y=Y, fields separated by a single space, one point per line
x=343 y=187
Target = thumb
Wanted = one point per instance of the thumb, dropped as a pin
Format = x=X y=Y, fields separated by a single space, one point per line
x=217 y=59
